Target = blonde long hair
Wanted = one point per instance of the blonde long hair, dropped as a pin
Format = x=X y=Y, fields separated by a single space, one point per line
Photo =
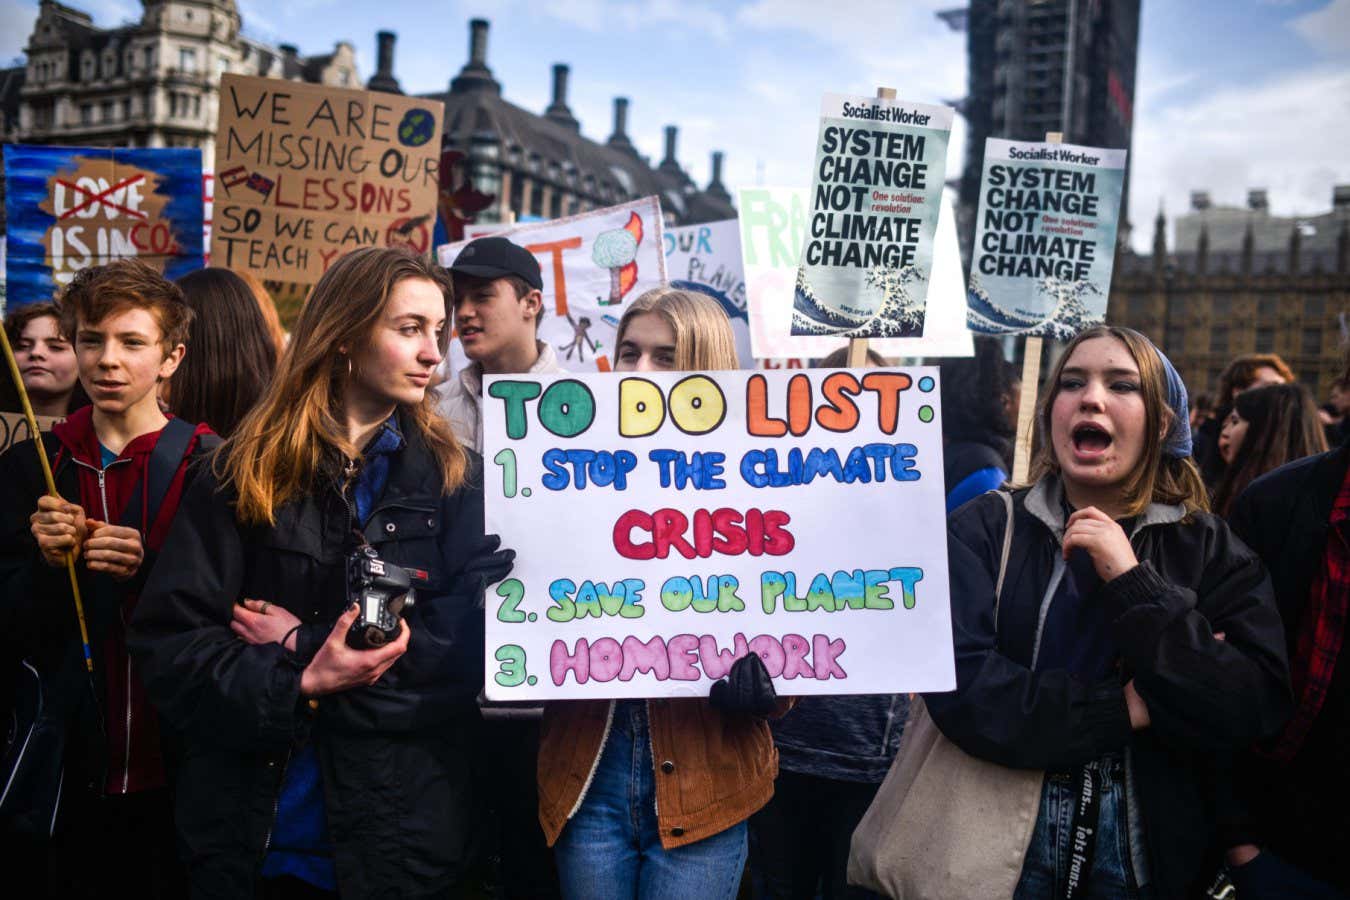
x=703 y=337
x=281 y=443
x=1157 y=478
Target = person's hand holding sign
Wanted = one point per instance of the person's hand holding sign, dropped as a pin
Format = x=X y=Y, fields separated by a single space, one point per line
x=59 y=527
x=114 y=549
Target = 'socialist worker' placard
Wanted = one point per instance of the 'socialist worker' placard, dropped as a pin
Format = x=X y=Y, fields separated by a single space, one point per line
x=306 y=173
x=668 y=523
x=875 y=197
x=1046 y=238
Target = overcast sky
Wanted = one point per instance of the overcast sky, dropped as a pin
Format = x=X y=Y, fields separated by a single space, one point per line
x=1231 y=94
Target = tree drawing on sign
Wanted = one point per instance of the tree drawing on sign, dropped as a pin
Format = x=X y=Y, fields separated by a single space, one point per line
x=616 y=250
x=580 y=338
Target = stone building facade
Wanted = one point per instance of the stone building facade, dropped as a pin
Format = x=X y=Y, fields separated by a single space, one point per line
x=1240 y=280
x=154 y=83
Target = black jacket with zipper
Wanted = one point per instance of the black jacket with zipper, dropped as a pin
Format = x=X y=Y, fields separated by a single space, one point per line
x=393 y=756
x=1299 y=809
x=1204 y=696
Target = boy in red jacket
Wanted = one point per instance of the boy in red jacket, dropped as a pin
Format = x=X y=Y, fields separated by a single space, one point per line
x=120 y=467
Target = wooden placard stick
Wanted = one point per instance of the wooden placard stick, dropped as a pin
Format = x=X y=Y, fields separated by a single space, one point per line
x=1031 y=379
x=857 y=347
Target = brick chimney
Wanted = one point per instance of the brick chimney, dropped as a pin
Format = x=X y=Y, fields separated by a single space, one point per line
x=383 y=79
x=619 y=138
x=558 y=110
x=715 y=187
x=476 y=76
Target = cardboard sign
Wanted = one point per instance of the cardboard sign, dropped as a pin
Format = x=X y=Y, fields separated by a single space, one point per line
x=1045 y=241
x=876 y=193
x=593 y=265
x=68 y=208
x=707 y=258
x=306 y=173
x=668 y=523
x=773 y=226
x=14 y=428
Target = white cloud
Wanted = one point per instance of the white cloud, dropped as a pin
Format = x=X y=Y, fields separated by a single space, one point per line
x=607 y=15
x=1328 y=28
x=1288 y=136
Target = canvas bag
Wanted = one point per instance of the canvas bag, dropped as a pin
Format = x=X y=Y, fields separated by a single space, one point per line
x=945 y=825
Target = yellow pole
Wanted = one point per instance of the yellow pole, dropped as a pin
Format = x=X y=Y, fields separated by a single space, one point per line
x=51 y=489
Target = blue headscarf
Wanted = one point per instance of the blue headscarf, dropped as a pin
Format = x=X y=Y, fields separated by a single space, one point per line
x=1178 y=441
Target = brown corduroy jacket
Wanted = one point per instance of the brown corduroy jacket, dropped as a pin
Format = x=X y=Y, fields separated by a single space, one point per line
x=712 y=769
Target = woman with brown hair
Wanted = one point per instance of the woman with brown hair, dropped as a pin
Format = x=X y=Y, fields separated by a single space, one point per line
x=1251 y=370
x=1134 y=639
x=1266 y=428
x=230 y=355
x=649 y=799
x=46 y=359
x=314 y=761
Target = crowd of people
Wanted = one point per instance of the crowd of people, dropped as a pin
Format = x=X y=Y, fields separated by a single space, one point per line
x=1154 y=622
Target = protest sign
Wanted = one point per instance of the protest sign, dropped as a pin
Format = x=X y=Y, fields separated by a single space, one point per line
x=707 y=258
x=773 y=227
x=875 y=198
x=306 y=173
x=593 y=265
x=1045 y=241
x=669 y=522
x=68 y=208
x=14 y=428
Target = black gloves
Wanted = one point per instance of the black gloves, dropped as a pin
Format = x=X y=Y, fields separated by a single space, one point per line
x=746 y=689
x=488 y=564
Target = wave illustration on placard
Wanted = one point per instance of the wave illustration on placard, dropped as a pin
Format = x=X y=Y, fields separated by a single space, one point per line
x=900 y=314
x=1066 y=300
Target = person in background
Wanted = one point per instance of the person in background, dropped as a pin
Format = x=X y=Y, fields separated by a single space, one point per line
x=268 y=307
x=230 y=357
x=649 y=799
x=1135 y=640
x=47 y=364
x=980 y=398
x=120 y=467
x=1288 y=836
x=313 y=763
x=833 y=753
x=1335 y=414
x=1266 y=428
x=1243 y=373
x=838 y=359
x=1202 y=410
x=497 y=305
x=498 y=302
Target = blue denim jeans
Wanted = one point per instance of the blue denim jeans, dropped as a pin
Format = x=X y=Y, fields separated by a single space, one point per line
x=1047 y=862
x=611 y=848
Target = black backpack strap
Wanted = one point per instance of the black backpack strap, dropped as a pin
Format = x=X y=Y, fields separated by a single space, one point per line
x=170 y=448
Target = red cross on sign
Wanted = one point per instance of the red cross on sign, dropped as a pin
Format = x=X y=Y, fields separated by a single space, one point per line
x=90 y=197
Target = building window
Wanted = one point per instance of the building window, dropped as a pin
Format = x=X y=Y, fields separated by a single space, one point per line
x=1315 y=307
x=86 y=114
x=556 y=207
x=1267 y=307
x=1218 y=339
x=1223 y=305
x=187 y=59
x=149 y=57
x=1312 y=341
x=1174 y=339
x=537 y=199
x=87 y=66
x=1265 y=339
x=1138 y=305
x=109 y=111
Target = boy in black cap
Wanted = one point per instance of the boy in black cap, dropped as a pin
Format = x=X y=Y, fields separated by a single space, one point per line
x=498 y=301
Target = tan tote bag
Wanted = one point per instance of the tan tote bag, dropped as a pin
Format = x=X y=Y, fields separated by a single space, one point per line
x=945 y=825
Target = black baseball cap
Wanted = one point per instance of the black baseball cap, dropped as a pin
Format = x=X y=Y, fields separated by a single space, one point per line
x=496 y=257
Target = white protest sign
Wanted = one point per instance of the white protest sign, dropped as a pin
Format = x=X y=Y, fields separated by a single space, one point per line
x=876 y=193
x=668 y=523
x=1045 y=242
x=593 y=264
x=707 y=258
x=773 y=227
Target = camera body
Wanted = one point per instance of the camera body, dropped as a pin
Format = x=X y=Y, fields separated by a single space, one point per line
x=381 y=591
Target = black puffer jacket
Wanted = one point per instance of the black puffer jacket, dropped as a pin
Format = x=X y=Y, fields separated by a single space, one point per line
x=393 y=756
x=1204 y=696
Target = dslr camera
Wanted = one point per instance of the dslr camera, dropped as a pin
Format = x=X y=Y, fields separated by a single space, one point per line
x=381 y=591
